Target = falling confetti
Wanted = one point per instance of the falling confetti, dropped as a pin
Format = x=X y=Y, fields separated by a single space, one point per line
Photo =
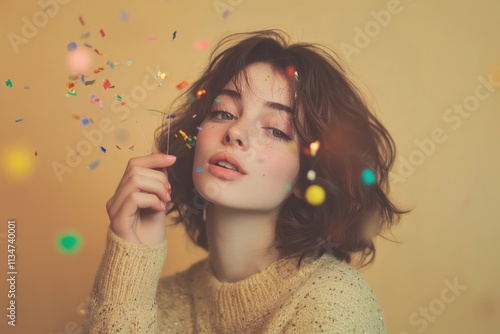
x=314 y=148
x=8 y=83
x=85 y=121
x=103 y=149
x=81 y=21
x=102 y=33
x=200 y=93
x=218 y=100
x=118 y=147
x=90 y=82
x=368 y=177
x=201 y=45
x=199 y=169
x=131 y=147
x=70 y=93
x=315 y=195
x=107 y=84
x=174 y=35
x=85 y=35
x=99 y=69
x=182 y=85
x=94 y=164
x=110 y=64
x=124 y=15
x=19 y=120
x=72 y=46
x=311 y=175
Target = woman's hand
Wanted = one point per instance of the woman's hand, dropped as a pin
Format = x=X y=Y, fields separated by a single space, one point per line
x=137 y=209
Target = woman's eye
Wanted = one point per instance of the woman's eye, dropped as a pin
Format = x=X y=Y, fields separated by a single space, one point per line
x=279 y=134
x=221 y=114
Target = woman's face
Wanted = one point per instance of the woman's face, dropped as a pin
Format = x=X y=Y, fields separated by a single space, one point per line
x=246 y=149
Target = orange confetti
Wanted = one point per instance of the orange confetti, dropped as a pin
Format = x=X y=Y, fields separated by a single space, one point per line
x=200 y=93
x=182 y=85
x=97 y=70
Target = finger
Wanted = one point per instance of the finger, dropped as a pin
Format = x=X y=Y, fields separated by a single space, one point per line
x=132 y=204
x=159 y=175
x=138 y=184
x=154 y=160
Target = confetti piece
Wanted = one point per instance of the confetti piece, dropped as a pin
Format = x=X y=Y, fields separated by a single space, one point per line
x=199 y=169
x=191 y=97
x=201 y=45
x=110 y=64
x=72 y=46
x=8 y=83
x=106 y=84
x=88 y=45
x=311 y=175
x=81 y=21
x=118 y=147
x=102 y=33
x=368 y=177
x=94 y=164
x=170 y=116
x=70 y=93
x=103 y=149
x=131 y=147
x=99 y=69
x=288 y=187
x=90 y=82
x=182 y=85
x=124 y=15
x=19 y=120
x=82 y=78
x=200 y=93
x=119 y=98
x=85 y=121
x=315 y=195
x=199 y=128
x=75 y=116
x=36 y=153
x=70 y=86
x=128 y=62
x=174 y=35
x=85 y=35
x=218 y=100
x=314 y=146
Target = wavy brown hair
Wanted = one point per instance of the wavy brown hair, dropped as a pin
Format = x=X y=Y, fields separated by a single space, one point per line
x=327 y=108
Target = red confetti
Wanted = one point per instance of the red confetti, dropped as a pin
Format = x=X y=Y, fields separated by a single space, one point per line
x=102 y=33
x=200 y=93
x=106 y=84
x=182 y=85
x=131 y=147
x=81 y=21
x=97 y=70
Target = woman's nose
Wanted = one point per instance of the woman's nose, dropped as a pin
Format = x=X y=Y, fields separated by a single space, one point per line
x=236 y=135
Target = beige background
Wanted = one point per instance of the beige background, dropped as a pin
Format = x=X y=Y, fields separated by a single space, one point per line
x=429 y=57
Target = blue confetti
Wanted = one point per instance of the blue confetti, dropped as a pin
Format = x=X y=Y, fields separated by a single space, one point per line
x=72 y=46
x=103 y=149
x=368 y=177
x=199 y=169
x=85 y=121
x=94 y=164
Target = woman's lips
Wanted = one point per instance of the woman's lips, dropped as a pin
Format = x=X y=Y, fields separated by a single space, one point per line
x=224 y=173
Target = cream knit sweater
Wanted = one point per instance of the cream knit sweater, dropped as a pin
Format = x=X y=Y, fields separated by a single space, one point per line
x=324 y=296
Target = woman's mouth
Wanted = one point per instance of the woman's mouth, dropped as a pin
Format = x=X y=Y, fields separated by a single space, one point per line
x=225 y=166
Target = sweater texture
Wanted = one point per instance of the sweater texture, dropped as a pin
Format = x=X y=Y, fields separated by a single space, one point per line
x=325 y=296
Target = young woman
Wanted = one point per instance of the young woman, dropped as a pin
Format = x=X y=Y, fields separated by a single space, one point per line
x=265 y=165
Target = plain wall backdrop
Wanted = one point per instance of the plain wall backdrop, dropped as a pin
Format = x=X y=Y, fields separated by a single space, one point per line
x=429 y=69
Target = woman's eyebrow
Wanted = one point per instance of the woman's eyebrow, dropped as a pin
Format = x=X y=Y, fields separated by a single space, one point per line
x=273 y=105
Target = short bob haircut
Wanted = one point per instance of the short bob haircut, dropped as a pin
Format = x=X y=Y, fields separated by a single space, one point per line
x=327 y=108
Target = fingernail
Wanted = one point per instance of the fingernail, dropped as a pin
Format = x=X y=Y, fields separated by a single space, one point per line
x=163 y=206
x=169 y=157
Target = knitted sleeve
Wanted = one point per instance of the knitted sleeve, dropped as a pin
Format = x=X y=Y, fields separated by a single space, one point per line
x=123 y=298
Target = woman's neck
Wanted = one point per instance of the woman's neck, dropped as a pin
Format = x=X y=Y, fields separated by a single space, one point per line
x=241 y=242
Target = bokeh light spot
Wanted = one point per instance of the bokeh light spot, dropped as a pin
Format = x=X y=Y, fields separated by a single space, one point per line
x=368 y=177
x=18 y=162
x=315 y=195
x=69 y=243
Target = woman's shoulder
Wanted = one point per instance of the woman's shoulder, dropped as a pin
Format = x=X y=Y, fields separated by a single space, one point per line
x=342 y=295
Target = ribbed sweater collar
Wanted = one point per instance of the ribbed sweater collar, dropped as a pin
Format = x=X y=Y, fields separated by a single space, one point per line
x=233 y=304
